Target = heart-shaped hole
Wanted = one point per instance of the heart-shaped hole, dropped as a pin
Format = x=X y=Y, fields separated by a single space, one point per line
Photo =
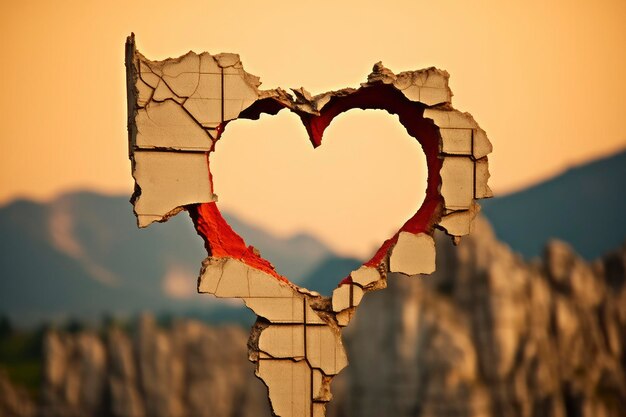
x=352 y=193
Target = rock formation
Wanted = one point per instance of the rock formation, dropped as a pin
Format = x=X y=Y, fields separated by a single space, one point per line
x=491 y=335
x=487 y=335
x=188 y=370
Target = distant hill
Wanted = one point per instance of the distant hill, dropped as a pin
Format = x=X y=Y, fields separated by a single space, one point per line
x=325 y=278
x=295 y=256
x=585 y=206
x=83 y=255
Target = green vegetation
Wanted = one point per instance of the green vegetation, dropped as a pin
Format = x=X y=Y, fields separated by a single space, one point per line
x=21 y=355
x=21 y=350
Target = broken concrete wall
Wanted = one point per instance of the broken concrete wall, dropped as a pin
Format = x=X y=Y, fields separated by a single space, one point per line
x=179 y=108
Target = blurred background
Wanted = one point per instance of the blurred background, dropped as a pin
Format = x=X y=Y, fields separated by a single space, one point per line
x=526 y=317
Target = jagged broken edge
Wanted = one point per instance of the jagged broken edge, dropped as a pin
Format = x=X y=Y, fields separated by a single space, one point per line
x=272 y=101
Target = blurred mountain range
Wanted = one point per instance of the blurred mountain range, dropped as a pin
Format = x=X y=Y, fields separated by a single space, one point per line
x=584 y=206
x=81 y=254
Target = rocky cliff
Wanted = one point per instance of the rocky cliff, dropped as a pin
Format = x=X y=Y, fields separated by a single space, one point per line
x=487 y=335
x=491 y=335
x=187 y=370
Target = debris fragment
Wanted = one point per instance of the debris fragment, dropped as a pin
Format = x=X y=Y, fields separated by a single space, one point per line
x=413 y=254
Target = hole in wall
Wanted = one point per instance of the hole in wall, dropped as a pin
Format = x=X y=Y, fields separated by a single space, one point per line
x=342 y=199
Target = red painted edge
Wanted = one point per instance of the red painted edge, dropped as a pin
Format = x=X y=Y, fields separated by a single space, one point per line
x=222 y=241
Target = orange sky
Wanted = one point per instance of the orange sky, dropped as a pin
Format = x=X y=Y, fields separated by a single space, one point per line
x=546 y=80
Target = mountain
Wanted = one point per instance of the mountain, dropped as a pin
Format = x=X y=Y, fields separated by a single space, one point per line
x=83 y=255
x=328 y=273
x=294 y=257
x=584 y=206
